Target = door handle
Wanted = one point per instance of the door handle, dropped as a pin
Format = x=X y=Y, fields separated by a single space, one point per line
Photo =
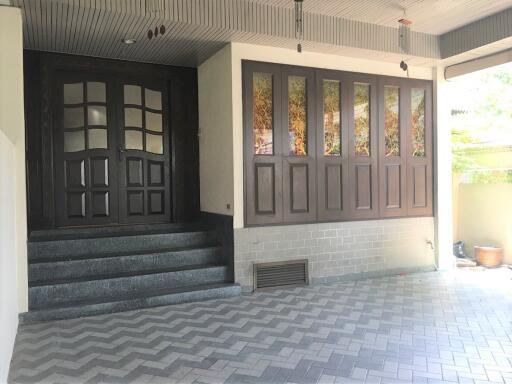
x=121 y=151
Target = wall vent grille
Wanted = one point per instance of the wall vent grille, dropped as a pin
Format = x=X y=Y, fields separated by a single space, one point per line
x=281 y=273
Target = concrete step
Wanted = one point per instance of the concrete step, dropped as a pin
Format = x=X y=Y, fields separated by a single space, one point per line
x=95 y=247
x=60 y=292
x=45 y=270
x=118 y=303
x=111 y=231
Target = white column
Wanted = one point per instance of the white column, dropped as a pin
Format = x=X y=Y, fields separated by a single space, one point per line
x=13 y=216
x=443 y=172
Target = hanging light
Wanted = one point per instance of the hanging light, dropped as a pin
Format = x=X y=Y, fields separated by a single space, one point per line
x=299 y=24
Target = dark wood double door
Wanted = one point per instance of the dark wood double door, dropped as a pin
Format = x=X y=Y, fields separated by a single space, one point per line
x=112 y=152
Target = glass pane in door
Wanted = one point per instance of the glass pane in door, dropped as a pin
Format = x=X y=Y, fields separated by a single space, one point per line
x=392 y=120
x=331 y=118
x=297 y=122
x=262 y=113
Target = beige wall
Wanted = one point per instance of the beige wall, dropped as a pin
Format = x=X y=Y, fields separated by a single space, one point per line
x=485 y=216
x=240 y=51
x=13 y=228
x=215 y=133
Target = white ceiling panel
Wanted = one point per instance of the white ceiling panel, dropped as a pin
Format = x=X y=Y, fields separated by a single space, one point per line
x=198 y=28
x=428 y=16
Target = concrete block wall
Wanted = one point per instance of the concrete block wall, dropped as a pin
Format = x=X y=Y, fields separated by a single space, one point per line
x=338 y=250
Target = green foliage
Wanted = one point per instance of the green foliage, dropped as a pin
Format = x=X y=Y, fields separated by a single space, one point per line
x=262 y=113
x=297 y=115
x=418 y=122
x=392 y=121
x=481 y=114
x=362 y=119
x=332 y=142
x=490 y=177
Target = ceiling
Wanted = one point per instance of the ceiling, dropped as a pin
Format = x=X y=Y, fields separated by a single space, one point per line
x=198 y=28
x=428 y=16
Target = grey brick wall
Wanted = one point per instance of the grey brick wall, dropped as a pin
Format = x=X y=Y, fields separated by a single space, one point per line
x=338 y=250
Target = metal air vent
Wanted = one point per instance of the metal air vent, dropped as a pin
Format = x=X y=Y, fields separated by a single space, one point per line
x=281 y=273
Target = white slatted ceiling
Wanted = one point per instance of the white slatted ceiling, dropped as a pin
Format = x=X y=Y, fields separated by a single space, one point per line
x=197 y=28
x=429 y=16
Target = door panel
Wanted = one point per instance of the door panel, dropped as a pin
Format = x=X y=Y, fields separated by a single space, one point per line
x=419 y=148
x=332 y=145
x=333 y=187
x=419 y=182
x=263 y=166
x=144 y=153
x=299 y=144
x=85 y=141
x=392 y=146
x=363 y=187
x=265 y=188
x=362 y=146
x=393 y=191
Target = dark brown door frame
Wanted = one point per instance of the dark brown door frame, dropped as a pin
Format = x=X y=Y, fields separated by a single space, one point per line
x=41 y=70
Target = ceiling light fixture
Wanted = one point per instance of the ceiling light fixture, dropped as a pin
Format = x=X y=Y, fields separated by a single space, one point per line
x=299 y=24
x=129 y=41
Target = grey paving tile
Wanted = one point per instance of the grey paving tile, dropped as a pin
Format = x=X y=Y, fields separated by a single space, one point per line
x=428 y=328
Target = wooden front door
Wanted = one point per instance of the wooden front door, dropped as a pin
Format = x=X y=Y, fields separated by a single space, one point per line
x=144 y=154
x=111 y=145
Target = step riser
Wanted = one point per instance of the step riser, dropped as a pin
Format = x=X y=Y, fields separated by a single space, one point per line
x=82 y=247
x=42 y=272
x=105 y=231
x=127 y=305
x=63 y=293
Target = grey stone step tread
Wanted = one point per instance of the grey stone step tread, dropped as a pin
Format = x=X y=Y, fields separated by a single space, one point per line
x=133 y=301
x=135 y=252
x=38 y=273
x=141 y=272
x=79 y=247
x=111 y=231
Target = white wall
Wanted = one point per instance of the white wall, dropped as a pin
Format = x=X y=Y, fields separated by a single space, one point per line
x=13 y=218
x=215 y=133
x=8 y=283
x=240 y=51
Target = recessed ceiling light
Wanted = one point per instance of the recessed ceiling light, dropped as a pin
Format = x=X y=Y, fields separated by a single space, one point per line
x=129 y=41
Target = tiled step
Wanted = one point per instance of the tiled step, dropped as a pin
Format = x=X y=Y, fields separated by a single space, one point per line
x=142 y=299
x=46 y=270
x=59 y=292
x=78 y=248
x=109 y=231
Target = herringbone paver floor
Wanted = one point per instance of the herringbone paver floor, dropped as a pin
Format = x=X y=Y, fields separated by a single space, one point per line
x=422 y=328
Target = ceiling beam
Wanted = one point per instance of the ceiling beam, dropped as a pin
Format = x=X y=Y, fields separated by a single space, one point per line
x=477 y=34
